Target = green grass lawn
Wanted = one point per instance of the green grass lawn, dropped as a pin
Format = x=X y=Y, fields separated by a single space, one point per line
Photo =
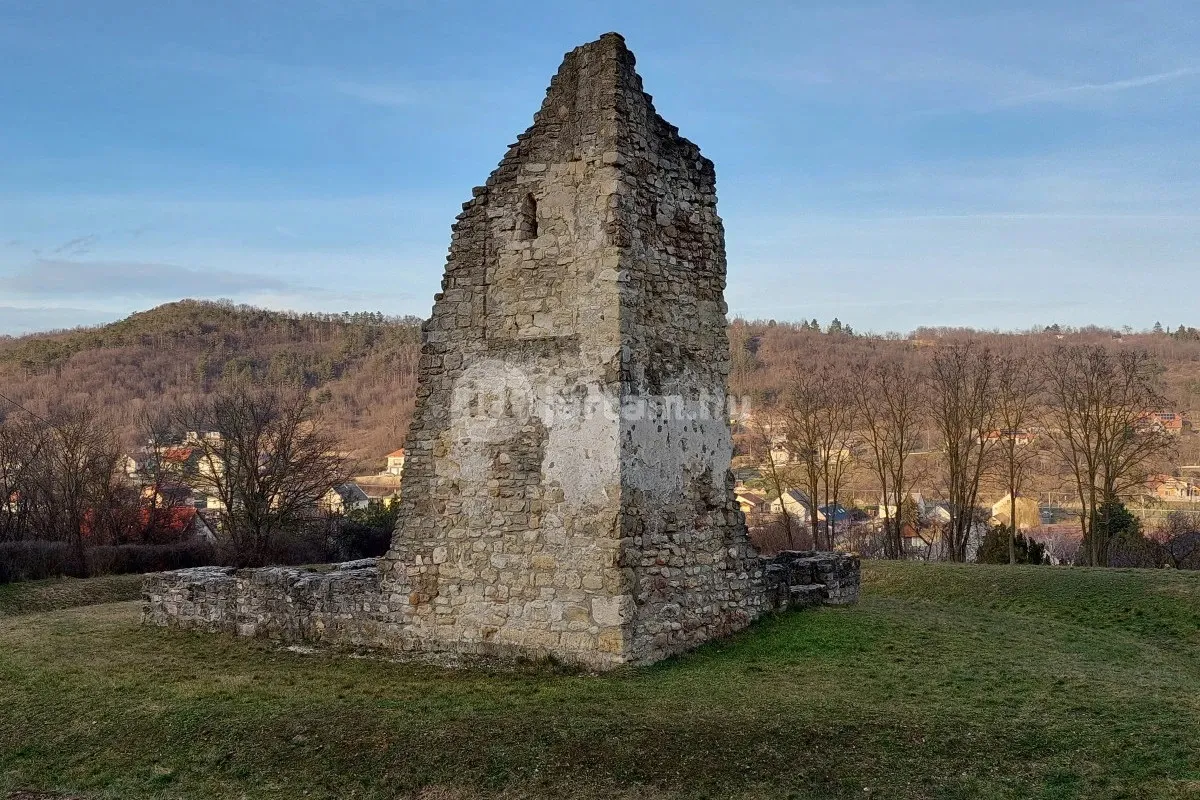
x=945 y=681
x=57 y=593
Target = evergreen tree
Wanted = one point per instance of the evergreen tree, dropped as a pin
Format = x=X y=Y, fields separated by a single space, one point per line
x=1118 y=534
x=994 y=548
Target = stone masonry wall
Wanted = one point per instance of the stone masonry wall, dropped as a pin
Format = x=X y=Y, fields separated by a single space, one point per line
x=345 y=609
x=585 y=278
x=694 y=574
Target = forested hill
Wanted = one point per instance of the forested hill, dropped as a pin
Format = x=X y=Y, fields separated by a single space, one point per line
x=361 y=366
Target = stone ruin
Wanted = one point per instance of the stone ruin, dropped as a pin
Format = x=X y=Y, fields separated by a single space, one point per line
x=567 y=490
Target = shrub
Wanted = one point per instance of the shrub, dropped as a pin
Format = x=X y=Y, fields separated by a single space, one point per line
x=773 y=537
x=126 y=558
x=994 y=548
x=35 y=560
x=302 y=545
x=366 y=533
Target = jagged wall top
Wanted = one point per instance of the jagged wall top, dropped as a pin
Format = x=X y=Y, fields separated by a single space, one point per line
x=596 y=83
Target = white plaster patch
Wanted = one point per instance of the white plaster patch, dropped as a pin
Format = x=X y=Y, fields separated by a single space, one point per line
x=582 y=454
x=668 y=439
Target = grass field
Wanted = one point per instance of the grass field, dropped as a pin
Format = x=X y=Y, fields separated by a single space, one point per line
x=945 y=681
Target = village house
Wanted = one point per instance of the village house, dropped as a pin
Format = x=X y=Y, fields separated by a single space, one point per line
x=395 y=462
x=187 y=524
x=1028 y=514
x=344 y=498
x=209 y=502
x=752 y=502
x=170 y=495
x=384 y=489
x=889 y=510
x=1167 y=487
x=211 y=438
x=835 y=513
x=797 y=505
x=915 y=539
x=1169 y=422
x=160 y=525
x=131 y=467
x=1020 y=437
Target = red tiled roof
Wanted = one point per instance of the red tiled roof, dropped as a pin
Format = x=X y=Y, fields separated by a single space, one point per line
x=177 y=453
x=176 y=520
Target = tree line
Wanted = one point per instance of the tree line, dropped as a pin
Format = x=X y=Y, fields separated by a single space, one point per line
x=958 y=417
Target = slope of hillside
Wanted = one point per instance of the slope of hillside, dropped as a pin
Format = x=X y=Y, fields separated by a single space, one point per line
x=362 y=366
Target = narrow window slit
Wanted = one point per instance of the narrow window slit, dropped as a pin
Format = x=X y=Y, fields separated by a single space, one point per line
x=527 y=222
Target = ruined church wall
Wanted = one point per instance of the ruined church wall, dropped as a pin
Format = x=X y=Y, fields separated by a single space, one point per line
x=586 y=278
x=345 y=609
x=509 y=523
x=566 y=491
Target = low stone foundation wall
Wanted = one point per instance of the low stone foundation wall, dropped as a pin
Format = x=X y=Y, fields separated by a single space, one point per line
x=345 y=608
x=340 y=607
x=797 y=579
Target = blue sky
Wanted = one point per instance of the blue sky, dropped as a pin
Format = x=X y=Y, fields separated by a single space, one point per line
x=892 y=164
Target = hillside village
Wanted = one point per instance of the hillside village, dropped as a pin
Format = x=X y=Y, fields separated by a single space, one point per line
x=180 y=474
x=784 y=474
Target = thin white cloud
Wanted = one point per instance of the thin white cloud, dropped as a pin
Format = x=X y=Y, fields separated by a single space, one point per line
x=16 y=320
x=1101 y=88
x=78 y=246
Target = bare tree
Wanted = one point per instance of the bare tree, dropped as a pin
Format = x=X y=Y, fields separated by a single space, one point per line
x=838 y=419
x=802 y=429
x=888 y=400
x=74 y=478
x=1017 y=406
x=820 y=414
x=23 y=443
x=266 y=460
x=162 y=474
x=961 y=384
x=1098 y=403
x=767 y=432
x=1178 y=540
